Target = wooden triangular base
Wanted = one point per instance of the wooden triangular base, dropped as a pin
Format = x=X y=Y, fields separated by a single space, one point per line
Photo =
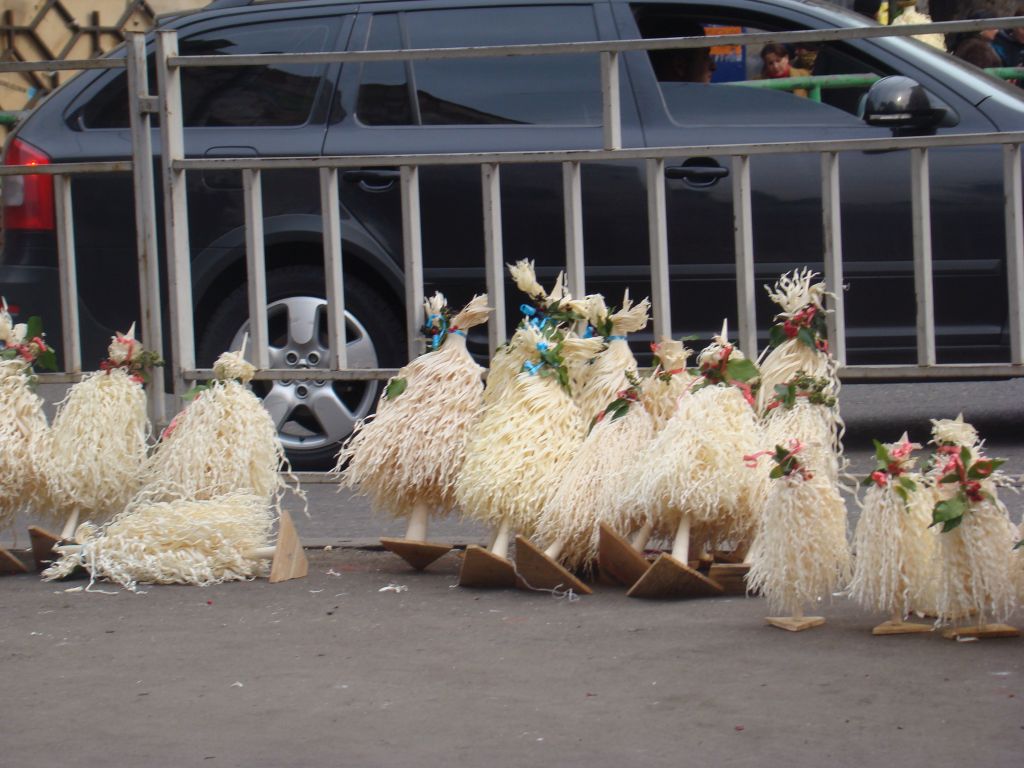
x=9 y=564
x=483 y=569
x=731 y=576
x=289 y=558
x=617 y=559
x=795 y=623
x=900 y=628
x=985 y=630
x=43 y=543
x=668 y=578
x=418 y=554
x=538 y=571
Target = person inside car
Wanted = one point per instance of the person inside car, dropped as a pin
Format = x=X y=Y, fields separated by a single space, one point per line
x=690 y=65
x=775 y=64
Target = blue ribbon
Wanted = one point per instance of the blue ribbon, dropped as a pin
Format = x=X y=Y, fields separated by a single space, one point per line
x=532 y=368
x=527 y=310
x=589 y=332
x=615 y=338
x=439 y=336
x=542 y=345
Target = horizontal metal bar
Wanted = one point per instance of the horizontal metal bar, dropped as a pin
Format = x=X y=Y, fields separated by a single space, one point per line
x=827 y=82
x=846 y=373
x=948 y=372
x=58 y=169
x=593 y=155
x=303 y=374
x=612 y=46
x=55 y=65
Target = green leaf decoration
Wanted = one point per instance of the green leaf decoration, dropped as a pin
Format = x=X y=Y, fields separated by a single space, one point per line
x=741 y=370
x=47 y=361
x=949 y=510
x=777 y=335
x=806 y=335
x=34 y=327
x=949 y=525
x=197 y=390
x=777 y=471
x=908 y=484
x=984 y=468
x=901 y=491
x=880 y=452
x=395 y=388
x=1019 y=544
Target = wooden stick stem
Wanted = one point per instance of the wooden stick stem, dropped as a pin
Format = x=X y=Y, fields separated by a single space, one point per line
x=555 y=550
x=641 y=537
x=417 y=529
x=70 y=525
x=681 y=545
x=502 y=538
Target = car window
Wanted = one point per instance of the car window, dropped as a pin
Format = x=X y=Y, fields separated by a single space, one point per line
x=278 y=95
x=549 y=90
x=811 y=79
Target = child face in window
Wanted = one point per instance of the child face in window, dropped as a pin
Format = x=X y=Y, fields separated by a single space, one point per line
x=775 y=65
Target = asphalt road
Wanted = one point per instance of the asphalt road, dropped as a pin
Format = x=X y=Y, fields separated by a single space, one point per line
x=366 y=663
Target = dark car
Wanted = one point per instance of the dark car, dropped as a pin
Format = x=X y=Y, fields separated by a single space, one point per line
x=521 y=103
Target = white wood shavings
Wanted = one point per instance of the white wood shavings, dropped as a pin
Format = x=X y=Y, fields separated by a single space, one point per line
x=800 y=554
x=411 y=451
x=23 y=432
x=976 y=569
x=590 y=488
x=611 y=369
x=175 y=542
x=793 y=292
x=668 y=382
x=695 y=467
x=520 y=445
x=894 y=551
x=224 y=441
x=106 y=411
x=817 y=429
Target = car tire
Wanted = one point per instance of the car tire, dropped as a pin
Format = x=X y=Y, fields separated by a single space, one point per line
x=313 y=417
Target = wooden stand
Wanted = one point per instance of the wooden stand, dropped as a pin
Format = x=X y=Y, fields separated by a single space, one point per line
x=289 y=558
x=9 y=564
x=43 y=543
x=483 y=569
x=731 y=576
x=617 y=559
x=982 y=631
x=414 y=548
x=669 y=578
x=538 y=571
x=897 y=626
x=795 y=623
x=418 y=554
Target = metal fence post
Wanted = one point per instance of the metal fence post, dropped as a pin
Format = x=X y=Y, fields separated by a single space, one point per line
x=256 y=266
x=572 y=202
x=744 y=229
x=833 y=255
x=68 y=269
x=490 y=181
x=922 y=223
x=147 y=253
x=1014 y=249
x=657 y=233
x=412 y=249
x=330 y=208
x=172 y=137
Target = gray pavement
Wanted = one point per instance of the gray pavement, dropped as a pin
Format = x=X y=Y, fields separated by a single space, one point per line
x=331 y=670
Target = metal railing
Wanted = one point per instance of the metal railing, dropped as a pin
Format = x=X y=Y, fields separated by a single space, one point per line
x=175 y=166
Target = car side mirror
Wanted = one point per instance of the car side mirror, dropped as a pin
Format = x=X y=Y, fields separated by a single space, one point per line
x=906 y=106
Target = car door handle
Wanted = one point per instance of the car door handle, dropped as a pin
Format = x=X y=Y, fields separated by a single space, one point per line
x=706 y=174
x=372 y=178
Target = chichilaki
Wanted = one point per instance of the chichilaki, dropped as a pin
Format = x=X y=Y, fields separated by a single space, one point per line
x=412 y=449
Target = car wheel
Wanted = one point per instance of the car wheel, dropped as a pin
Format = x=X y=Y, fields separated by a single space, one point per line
x=312 y=416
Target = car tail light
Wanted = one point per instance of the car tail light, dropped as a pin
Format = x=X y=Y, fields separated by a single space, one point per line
x=28 y=200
